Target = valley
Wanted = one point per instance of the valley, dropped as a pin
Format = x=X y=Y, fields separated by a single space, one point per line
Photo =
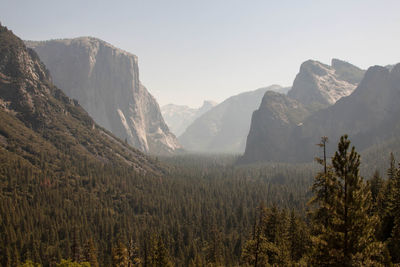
x=95 y=172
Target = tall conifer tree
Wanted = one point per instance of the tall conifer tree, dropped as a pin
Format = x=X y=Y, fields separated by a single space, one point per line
x=348 y=237
x=325 y=190
x=394 y=207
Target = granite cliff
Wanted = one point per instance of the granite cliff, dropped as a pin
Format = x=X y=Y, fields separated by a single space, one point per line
x=369 y=115
x=272 y=127
x=105 y=81
x=319 y=85
x=46 y=129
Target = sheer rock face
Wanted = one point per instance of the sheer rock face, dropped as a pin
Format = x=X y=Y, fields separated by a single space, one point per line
x=105 y=81
x=179 y=117
x=320 y=85
x=272 y=127
x=370 y=116
x=224 y=128
x=41 y=119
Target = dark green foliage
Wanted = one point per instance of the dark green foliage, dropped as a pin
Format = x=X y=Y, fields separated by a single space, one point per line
x=71 y=194
x=276 y=239
x=389 y=211
x=201 y=214
x=90 y=253
x=344 y=229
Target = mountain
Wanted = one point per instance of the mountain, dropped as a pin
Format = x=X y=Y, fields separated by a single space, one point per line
x=369 y=116
x=320 y=85
x=224 y=128
x=281 y=90
x=272 y=126
x=179 y=117
x=105 y=81
x=43 y=127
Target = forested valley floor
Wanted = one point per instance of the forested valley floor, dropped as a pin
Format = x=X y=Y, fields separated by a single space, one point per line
x=205 y=211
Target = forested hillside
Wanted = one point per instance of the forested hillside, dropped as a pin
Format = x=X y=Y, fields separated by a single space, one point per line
x=72 y=194
x=204 y=211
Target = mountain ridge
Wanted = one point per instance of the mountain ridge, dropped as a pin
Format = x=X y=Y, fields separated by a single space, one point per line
x=368 y=116
x=321 y=85
x=224 y=128
x=41 y=121
x=105 y=81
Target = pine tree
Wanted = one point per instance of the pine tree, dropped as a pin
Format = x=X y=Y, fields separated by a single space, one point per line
x=376 y=185
x=254 y=252
x=161 y=254
x=91 y=253
x=270 y=242
x=297 y=237
x=394 y=207
x=384 y=202
x=354 y=226
x=133 y=253
x=348 y=237
x=275 y=229
x=215 y=247
x=120 y=255
x=325 y=190
x=76 y=247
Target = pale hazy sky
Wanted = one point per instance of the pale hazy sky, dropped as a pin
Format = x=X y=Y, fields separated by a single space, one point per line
x=212 y=49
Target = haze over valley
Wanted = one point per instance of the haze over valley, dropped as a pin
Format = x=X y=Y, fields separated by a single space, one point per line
x=199 y=133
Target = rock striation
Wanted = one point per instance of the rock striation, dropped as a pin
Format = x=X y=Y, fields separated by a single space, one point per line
x=41 y=124
x=105 y=81
x=369 y=116
x=179 y=117
x=320 y=85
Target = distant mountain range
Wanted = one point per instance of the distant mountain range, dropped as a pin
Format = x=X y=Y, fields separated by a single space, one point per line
x=44 y=128
x=266 y=124
x=224 y=128
x=179 y=117
x=105 y=81
x=288 y=131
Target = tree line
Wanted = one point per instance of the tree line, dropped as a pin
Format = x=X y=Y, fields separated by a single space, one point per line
x=351 y=222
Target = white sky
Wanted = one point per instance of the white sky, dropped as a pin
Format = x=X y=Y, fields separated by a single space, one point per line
x=191 y=50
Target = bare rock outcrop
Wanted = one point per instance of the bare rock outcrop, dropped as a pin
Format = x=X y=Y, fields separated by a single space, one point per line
x=320 y=85
x=285 y=130
x=105 y=81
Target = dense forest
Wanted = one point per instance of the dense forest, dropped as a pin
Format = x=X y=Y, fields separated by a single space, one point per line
x=72 y=194
x=205 y=211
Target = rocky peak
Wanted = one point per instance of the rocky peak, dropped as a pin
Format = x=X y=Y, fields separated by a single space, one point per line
x=40 y=119
x=179 y=117
x=395 y=71
x=281 y=130
x=347 y=72
x=269 y=137
x=207 y=105
x=321 y=85
x=24 y=79
x=105 y=81
x=283 y=107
